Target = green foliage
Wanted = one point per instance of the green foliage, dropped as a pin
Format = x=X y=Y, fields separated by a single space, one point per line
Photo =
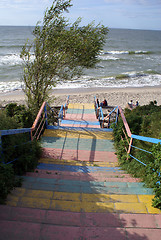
x=6 y=122
x=25 y=152
x=17 y=149
x=61 y=51
x=7 y=181
x=143 y=121
x=22 y=116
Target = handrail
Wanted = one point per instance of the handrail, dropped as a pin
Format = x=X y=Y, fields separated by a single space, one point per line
x=38 y=116
x=124 y=121
x=133 y=136
x=41 y=124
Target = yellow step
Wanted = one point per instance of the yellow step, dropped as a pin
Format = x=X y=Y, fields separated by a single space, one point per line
x=78 y=134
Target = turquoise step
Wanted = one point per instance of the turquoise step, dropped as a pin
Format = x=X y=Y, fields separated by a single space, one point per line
x=73 y=168
x=78 y=144
x=90 y=187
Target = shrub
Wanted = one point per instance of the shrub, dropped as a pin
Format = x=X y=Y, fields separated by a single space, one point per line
x=16 y=149
x=21 y=114
x=7 y=181
x=143 y=121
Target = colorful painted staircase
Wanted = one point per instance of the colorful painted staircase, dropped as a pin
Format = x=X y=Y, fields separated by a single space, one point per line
x=78 y=190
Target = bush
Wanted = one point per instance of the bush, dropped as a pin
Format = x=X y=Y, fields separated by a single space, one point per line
x=16 y=149
x=7 y=181
x=143 y=121
x=22 y=115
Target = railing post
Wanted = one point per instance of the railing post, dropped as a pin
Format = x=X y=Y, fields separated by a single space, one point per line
x=64 y=111
x=129 y=149
x=117 y=116
x=46 y=116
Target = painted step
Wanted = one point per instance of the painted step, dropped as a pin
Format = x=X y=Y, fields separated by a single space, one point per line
x=81 y=117
x=78 y=144
x=77 y=163
x=78 y=134
x=80 y=202
x=90 y=187
x=79 y=155
x=47 y=224
x=85 y=177
x=82 y=111
x=51 y=127
x=86 y=124
x=81 y=106
x=80 y=219
x=74 y=168
x=95 y=176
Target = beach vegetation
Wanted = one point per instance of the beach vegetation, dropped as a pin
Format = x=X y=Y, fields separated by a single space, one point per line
x=60 y=50
x=122 y=76
x=18 y=154
x=144 y=121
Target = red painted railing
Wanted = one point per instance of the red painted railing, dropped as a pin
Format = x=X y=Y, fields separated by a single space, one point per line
x=39 y=123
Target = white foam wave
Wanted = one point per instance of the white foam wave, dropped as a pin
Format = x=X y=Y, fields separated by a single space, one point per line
x=10 y=86
x=108 y=57
x=133 y=80
x=125 y=52
x=10 y=60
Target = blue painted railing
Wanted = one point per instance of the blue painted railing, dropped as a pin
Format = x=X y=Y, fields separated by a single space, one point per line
x=130 y=137
x=62 y=111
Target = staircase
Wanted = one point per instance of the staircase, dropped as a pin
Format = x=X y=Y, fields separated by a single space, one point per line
x=78 y=190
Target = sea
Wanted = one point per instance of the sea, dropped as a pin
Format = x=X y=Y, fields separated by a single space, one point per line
x=130 y=58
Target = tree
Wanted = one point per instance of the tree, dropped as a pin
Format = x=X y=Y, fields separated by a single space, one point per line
x=61 y=51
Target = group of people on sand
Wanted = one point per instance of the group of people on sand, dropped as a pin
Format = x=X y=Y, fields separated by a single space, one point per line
x=103 y=103
x=130 y=105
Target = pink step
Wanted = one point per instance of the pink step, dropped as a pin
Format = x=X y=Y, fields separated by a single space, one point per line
x=85 y=117
x=24 y=223
x=82 y=176
x=80 y=125
x=63 y=218
x=79 y=155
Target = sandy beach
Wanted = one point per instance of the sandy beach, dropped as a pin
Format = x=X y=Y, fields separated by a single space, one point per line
x=114 y=96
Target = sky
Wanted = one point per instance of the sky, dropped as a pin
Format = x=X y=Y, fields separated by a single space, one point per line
x=131 y=14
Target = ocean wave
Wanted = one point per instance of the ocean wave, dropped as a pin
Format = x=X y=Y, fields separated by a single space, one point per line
x=11 y=60
x=127 y=52
x=10 y=86
x=107 y=58
x=128 y=79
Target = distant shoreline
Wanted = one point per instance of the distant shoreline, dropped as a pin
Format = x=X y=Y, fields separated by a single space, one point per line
x=114 y=96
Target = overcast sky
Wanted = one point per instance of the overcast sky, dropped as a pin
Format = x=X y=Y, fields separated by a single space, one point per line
x=132 y=14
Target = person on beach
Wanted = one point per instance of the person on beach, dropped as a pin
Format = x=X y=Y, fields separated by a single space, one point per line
x=130 y=105
x=104 y=103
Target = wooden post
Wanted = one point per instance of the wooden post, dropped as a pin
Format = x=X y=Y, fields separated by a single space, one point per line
x=131 y=141
x=64 y=112
x=46 y=117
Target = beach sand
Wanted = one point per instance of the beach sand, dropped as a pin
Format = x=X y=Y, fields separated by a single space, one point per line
x=114 y=96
